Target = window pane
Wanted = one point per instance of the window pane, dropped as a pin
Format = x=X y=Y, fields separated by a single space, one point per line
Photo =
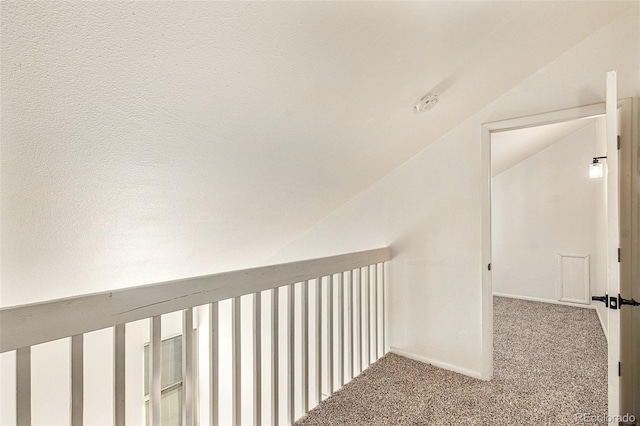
x=171 y=361
x=172 y=407
x=171 y=369
x=171 y=358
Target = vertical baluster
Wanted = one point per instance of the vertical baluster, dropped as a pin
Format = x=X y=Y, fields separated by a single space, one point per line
x=236 y=359
x=384 y=307
x=369 y=339
x=360 y=320
x=119 y=374
x=341 y=329
x=305 y=346
x=331 y=354
x=23 y=386
x=155 y=371
x=214 y=342
x=77 y=380
x=363 y=322
x=257 y=359
x=187 y=367
x=291 y=328
x=319 y=339
x=350 y=318
x=375 y=312
x=274 y=357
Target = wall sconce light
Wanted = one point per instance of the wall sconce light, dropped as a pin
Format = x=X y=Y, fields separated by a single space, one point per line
x=596 y=170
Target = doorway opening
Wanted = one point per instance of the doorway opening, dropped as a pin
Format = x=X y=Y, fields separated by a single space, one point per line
x=576 y=269
x=549 y=218
x=549 y=255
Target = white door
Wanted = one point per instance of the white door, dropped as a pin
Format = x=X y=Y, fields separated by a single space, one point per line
x=613 y=243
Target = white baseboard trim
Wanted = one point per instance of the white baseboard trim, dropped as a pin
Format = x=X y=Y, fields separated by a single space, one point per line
x=604 y=330
x=435 y=363
x=539 y=299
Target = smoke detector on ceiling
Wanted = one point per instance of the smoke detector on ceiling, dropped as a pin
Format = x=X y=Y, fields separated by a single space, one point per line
x=426 y=102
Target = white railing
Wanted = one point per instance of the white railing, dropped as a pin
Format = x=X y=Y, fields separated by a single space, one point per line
x=361 y=274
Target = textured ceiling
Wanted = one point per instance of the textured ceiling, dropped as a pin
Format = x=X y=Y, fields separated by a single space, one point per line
x=147 y=141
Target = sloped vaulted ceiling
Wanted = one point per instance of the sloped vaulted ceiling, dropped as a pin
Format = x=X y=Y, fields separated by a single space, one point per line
x=514 y=146
x=149 y=141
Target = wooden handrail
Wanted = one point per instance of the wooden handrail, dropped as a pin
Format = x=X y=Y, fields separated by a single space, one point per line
x=27 y=325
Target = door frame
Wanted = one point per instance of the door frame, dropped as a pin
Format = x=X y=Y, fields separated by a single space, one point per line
x=577 y=113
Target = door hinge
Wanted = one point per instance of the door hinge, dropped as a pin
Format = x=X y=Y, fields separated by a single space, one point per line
x=618 y=254
x=618 y=141
x=619 y=368
x=489 y=267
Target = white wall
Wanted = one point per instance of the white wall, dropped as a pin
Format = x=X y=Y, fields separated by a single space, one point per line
x=429 y=209
x=543 y=206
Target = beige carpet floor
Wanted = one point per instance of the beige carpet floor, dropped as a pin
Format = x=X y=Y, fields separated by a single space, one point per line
x=549 y=363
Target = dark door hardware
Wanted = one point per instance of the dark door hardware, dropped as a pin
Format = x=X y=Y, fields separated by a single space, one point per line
x=604 y=299
x=615 y=302
x=630 y=302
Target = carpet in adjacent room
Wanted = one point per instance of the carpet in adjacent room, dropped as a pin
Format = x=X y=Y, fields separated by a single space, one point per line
x=550 y=362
